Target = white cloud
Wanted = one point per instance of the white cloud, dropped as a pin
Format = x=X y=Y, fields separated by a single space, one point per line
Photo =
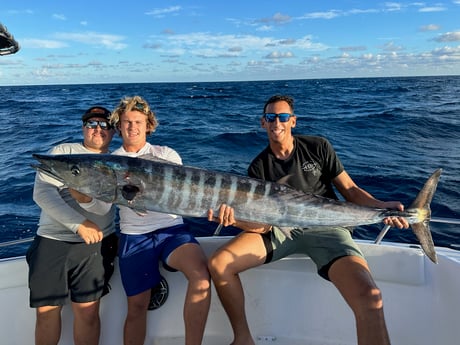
x=93 y=38
x=368 y=56
x=331 y=14
x=277 y=18
x=448 y=37
x=279 y=55
x=235 y=49
x=161 y=12
x=42 y=44
x=265 y=28
x=202 y=44
x=433 y=9
x=43 y=72
x=393 y=6
x=352 y=48
x=287 y=41
x=201 y=40
x=256 y=63
x=59 y=17
x=430 y=27
x=391 y=47
x=447 y=52
x=322 y=15
x=360 y=11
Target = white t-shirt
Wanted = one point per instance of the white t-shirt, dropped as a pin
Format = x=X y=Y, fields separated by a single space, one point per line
x=132 y=223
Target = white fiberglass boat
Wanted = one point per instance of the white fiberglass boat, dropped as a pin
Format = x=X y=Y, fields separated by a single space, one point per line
x=287 y=302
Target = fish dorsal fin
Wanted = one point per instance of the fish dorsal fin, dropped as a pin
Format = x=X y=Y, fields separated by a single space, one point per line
x=149 y=157
x=285 y=180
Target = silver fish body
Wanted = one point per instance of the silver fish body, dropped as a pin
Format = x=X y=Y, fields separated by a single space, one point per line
x=145 y=184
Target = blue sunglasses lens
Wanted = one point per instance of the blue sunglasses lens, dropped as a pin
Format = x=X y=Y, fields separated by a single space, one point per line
x=93 y=124
x=283 y=117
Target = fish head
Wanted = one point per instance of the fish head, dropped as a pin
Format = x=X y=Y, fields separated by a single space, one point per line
x=87 y=173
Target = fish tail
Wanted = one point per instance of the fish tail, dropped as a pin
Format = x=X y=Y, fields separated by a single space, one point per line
x=421 y=203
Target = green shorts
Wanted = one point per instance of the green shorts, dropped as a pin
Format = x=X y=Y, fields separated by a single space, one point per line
x=323 y=245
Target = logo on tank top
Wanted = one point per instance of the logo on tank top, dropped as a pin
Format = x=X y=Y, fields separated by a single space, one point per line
x=311 y=167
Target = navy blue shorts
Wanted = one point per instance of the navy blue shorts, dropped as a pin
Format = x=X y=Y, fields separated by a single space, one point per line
x=139 y=256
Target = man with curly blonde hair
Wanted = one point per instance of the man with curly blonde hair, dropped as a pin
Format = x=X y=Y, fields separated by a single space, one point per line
x=155 y=237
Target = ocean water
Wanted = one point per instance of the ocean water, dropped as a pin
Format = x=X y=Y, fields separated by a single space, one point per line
x=390 y=133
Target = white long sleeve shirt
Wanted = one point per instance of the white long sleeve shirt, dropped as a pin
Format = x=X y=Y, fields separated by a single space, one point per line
x=60 y=214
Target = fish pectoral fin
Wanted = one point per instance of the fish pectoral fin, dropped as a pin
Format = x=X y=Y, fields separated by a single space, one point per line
x=141 y=213
x=290 y=232
x=138 y=207
x=296 y=232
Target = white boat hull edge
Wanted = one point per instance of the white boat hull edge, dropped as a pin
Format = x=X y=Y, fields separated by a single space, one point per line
x=287 y=302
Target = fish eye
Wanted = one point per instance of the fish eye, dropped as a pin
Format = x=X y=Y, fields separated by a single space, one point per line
x=75 y=170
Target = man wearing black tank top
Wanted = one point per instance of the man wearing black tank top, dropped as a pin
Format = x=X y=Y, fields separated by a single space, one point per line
x=310 y=164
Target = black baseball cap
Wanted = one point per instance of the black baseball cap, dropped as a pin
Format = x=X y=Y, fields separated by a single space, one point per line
x=96 y=112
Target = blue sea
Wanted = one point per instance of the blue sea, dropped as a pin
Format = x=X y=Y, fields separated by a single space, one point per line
x=390 y=133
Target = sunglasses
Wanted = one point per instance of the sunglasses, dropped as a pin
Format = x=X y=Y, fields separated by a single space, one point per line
x=93 y=124
x=283 y=117
x=139 y=106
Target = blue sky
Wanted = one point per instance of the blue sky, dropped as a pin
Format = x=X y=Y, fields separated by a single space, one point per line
x=72 y=42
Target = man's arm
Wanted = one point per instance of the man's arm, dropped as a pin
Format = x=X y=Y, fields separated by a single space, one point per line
x=353 y=193
x=46 y=195
x=90 y=204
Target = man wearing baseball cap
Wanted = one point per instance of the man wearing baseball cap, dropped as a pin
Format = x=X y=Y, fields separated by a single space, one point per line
x=93 y=112
x=73 y=251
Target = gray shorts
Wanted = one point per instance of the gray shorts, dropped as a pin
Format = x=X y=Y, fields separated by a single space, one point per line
x=323 y=245
x=58 y=268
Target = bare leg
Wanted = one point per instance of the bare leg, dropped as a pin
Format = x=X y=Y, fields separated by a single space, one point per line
x=136 y=319
x=353 y=279
x=48 y=325
x=87 y=325
x=241 y=253
x=191 y=261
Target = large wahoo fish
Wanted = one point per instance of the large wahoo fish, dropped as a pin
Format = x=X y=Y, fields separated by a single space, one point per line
x=156 y=185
